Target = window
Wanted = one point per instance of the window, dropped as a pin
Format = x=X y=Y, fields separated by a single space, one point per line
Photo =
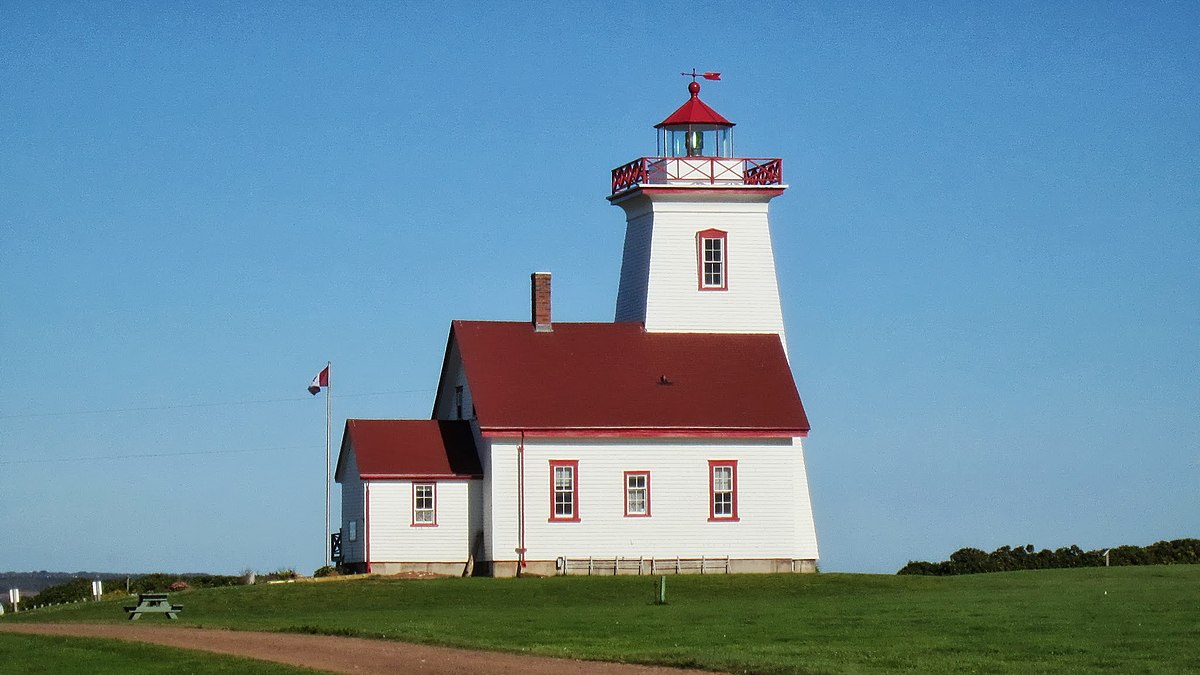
x=722 y=489
x=711 y=259
x=637 y=493
x=564 y=490
x=353 y=527
x=424 y=500
x=458 y=401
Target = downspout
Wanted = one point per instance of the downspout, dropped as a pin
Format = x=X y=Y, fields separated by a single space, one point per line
x=367 y=524
x=521 y=505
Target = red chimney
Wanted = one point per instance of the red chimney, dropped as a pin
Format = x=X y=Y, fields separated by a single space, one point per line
x=540 y=282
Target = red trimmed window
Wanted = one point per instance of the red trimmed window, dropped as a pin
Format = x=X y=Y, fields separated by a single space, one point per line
x=564 y=490
x=424 y=504
x=722 y=489
x=637 y=493
x=711 y=255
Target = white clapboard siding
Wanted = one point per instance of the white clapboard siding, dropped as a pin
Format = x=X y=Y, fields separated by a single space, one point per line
x=395 y=539
x=774 y=509
x=352 y=510
x=659 y=273
x=486 y=490
x=445 y=405
x=635 y=269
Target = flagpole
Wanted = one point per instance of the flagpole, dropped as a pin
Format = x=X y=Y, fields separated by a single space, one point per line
x=328 y=452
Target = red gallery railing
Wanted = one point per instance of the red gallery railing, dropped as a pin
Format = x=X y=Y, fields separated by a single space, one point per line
x=697 y=171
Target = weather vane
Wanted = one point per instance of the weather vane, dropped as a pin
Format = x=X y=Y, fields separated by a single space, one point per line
x=707 y=76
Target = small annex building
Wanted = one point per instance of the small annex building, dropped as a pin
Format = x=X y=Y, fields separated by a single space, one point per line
x=666 y=441
x=402 y=468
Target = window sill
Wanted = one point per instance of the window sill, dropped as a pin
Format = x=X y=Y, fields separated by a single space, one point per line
x=725 y=519
x=563 y=520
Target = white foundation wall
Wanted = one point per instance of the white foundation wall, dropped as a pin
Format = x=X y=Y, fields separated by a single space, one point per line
x=393 y=537
x=352 y=510
x=660 y=273
x=774 y=509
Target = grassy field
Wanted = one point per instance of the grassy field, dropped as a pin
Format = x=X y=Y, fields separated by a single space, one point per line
x=1119 y=620
x=21 y=654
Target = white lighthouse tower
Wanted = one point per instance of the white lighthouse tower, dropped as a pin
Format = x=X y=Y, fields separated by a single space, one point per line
x=698 y=255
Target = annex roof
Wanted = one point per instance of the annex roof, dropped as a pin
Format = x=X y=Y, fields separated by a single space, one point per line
x=694 y=112
x=617 y=379
x=410 y=448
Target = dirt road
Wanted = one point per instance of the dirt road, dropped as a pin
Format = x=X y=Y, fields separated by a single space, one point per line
x=340 y=654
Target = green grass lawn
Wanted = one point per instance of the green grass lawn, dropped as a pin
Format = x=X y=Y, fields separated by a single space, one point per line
x=1119 y=620
x=21 y=654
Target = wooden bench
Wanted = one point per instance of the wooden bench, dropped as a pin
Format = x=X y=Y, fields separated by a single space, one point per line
x=153 y=603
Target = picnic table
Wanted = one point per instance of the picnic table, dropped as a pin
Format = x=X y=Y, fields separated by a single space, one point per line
x=153 y=603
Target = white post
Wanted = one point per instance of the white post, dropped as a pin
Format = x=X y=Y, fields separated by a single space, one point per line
x=97 y=589
x=14 y=598
x=328 y=452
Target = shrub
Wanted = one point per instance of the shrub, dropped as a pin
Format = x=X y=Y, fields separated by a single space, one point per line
x=71 y=591
x=281 y=574
x=1005 y=558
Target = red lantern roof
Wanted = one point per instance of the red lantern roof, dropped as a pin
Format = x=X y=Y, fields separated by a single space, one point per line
x=694 y=112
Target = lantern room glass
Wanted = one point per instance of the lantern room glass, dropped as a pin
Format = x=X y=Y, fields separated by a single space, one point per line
x=696 y=141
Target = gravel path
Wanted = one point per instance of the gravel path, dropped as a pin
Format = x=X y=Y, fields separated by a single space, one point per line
x=340 y=654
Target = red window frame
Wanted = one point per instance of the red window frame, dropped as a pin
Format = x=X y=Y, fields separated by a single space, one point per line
x=433 y=504
x=709 y=235
x=713 y=465
x=646 y=488
x=573 y=465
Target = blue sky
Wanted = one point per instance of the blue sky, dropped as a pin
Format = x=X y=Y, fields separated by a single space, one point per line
x=988 y=253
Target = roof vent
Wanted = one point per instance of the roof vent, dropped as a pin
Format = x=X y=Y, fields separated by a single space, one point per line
x=540 y=291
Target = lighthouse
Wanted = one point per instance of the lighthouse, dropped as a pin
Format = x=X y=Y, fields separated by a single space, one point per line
x=669 y=441
x=698 y=256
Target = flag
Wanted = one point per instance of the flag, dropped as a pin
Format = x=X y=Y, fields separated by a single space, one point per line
x=712 y=76
x=321 y=380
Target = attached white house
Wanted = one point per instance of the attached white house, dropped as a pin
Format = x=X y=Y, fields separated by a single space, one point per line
x=410 y=494
x=666 y=441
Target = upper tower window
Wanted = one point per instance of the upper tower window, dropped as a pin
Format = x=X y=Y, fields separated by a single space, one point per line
x=711 y=260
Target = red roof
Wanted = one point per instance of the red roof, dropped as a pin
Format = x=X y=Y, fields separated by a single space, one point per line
x=694 y=112
x=617 y=379
x=416 y=448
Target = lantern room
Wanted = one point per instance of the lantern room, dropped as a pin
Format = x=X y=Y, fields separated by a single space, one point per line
x=695 y=148
x=695 y=130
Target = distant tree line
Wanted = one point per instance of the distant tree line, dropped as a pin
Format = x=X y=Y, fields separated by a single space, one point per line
x=81 y=587
x=1008 y=558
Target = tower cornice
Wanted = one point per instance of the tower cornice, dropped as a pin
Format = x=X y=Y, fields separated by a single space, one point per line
x=693 y=193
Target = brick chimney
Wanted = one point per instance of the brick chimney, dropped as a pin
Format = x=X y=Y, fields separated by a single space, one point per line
x=540 y=282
